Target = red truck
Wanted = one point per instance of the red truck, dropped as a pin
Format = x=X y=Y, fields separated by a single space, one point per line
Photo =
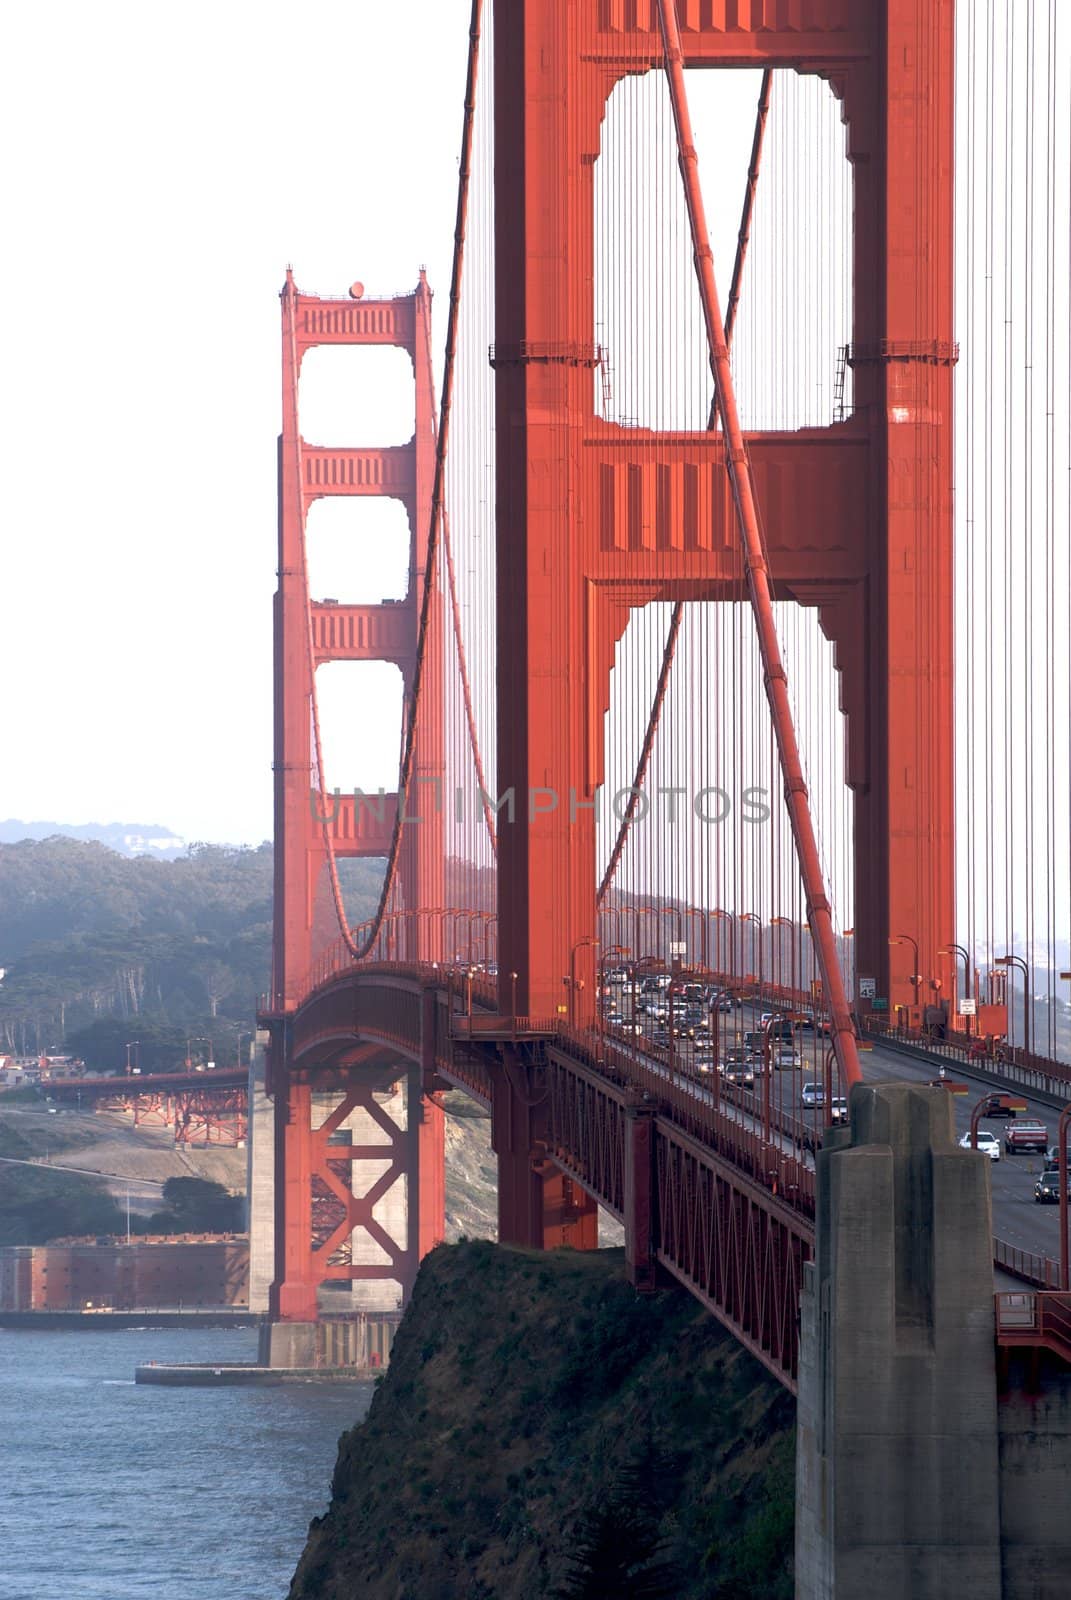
x=1020 y=1136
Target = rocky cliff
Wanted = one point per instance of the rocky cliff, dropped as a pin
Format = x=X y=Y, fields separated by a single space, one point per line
x=542 y=1431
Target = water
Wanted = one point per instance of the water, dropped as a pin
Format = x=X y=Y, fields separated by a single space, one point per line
x=116 y=1491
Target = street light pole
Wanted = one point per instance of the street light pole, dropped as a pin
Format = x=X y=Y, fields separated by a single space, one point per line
x=753 y=916
x=574 y=982
x=730 y=918
x=1028 y=997
x=767 y=1073
x=955 y=950
x=786 y=922
x=916 y=975
x=692 y=912
x=1061 y=1168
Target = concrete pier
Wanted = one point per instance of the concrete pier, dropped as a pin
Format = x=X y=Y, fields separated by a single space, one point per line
x=898 y=1490
x=363 y=1341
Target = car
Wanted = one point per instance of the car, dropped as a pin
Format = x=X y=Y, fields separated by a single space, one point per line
x=705 y=1059
x=738 y=1055
x=1022 y=1135
x=988 y=1143
x=1047 y=1189
x=738 y=1072
x=690 y=1023
x=995 y=1106
x=814 y=1094
x=784 y=1056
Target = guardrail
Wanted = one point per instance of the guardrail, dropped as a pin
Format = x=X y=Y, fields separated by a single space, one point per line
x=1040 y=1074
x=1034 y=1319
x=1040 y=1270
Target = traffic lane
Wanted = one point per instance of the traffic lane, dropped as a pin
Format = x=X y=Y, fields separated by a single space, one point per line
x=740 y=1105
x=1017 y=1217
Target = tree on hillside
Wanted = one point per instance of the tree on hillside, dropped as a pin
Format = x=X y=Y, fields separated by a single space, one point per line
x=155 y=1046
x=87 y=934
x=39 y=1203
x=196 y=1205
x=618 y=1549
x=219 y=982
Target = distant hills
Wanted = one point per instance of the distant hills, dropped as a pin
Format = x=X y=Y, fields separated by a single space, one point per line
x=126 y=838
x=91 y=939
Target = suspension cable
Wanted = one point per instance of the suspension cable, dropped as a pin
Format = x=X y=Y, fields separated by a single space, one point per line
x=359 y=948
x=758 y=577
x=677 y=614
x=466 y=687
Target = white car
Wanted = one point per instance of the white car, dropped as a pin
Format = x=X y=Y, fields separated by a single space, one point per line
x=988 y=1143
x=813 y=1096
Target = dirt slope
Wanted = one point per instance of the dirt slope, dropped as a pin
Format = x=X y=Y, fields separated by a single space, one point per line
x=107 y=1142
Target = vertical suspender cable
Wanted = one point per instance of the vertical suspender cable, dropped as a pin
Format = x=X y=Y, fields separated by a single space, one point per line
x=758 y=579
x=359 y=948
x=677 y=615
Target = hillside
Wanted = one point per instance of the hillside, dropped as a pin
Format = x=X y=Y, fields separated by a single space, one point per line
x=543 y=1430
x=127 y=838
x=92 y=940
x=85 y=1158
x=76 y=1174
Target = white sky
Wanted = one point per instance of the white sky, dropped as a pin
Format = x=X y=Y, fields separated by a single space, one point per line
x=164 y=164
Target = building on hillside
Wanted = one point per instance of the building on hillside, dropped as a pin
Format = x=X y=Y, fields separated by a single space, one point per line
x=13 y=1075
x=153 y=1273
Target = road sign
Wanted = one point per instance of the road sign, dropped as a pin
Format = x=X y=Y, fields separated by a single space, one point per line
x=868 y=988
x=968 y=1008
x=880 y=1003
x=678 y=948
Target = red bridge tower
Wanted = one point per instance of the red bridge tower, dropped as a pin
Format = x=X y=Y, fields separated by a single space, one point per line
x=358 y=1180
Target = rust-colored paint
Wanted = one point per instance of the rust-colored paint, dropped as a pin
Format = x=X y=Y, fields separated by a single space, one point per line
x=869 y=539
x=307 y=837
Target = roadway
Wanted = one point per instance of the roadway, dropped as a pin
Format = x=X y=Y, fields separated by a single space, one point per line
x=1017 y=1218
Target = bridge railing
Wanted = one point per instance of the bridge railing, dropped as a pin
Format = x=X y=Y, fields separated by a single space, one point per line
x=1026 y=1264
x=1025 y=1318
x=1027 y=1069
x=693 y=1108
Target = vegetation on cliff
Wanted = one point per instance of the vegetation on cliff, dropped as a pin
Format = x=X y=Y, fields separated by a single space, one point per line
x=544 y=1431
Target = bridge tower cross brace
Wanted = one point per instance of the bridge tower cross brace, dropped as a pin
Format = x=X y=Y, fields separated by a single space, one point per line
x=858 y=514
